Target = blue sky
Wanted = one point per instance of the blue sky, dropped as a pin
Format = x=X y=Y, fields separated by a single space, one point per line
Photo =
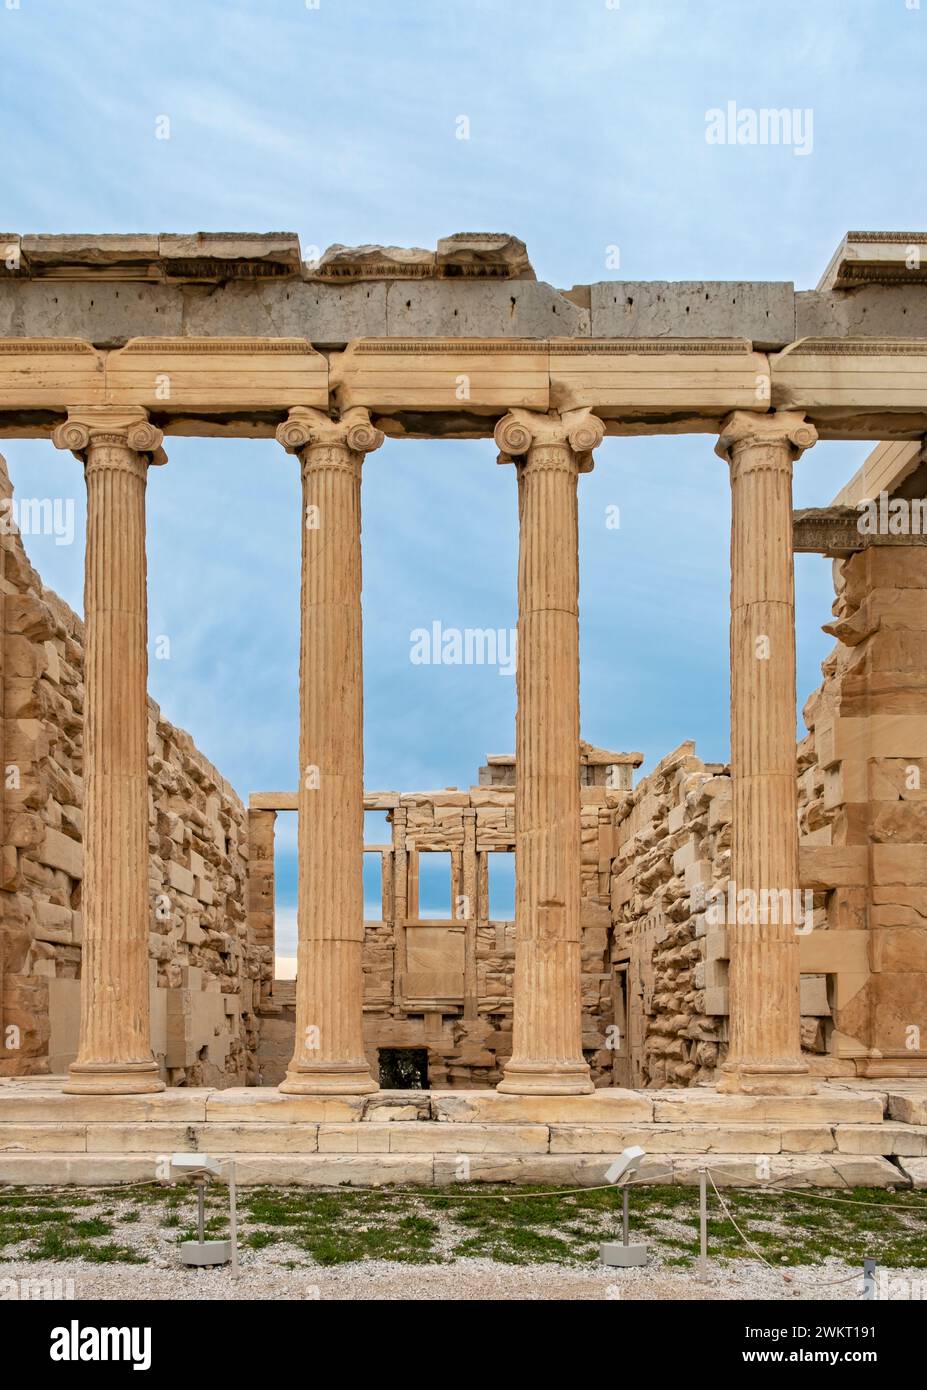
x=587 y=130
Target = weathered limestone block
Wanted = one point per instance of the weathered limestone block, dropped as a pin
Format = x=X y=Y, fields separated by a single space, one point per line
x=665 y=1139
x=787 y=1170
x=612 y=1105
x=494 y=309
x=905 y=1140
x=83 y=1170
x=908 y=1108
x=828 y=1106
x=245 y=1106
x=60 y=851
x=484 y=253
x=581 y=1170
x=43 y=1138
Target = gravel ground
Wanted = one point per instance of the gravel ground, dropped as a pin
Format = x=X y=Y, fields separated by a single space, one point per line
x=287 y=1270
x=264 y=1276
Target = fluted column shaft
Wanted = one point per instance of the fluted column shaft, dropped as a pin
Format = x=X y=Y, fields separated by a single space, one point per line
x=547 y=1056
x=765 y=1043
x=114 y=1053
x=329 y=1056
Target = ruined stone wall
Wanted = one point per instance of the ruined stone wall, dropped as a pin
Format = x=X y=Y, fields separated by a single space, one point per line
x=668 y=890
x=863 y=816
x=204 y=967
x=672 y=843
x=444 y=988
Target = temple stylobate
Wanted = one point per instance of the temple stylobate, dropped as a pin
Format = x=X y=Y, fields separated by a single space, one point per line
x=110 y=349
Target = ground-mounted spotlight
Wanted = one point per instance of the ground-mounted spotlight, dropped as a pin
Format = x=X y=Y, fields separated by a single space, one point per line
x=201 y=1168
x=623 y=1255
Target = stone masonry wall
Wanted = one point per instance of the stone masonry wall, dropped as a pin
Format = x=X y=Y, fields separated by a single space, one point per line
x=672 y=842
x=204 y=967
x=444 y=987
x=862 y=819
x=863 y=815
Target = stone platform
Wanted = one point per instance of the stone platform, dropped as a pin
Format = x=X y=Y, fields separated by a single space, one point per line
x=846 y=1135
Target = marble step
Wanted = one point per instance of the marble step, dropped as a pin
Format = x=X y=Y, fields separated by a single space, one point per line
x=426 y=1170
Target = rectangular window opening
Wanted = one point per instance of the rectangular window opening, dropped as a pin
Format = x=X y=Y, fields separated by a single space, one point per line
x=434 y=885
x=501 y=874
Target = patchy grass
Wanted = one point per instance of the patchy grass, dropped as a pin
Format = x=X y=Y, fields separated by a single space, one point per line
x=300 y=1227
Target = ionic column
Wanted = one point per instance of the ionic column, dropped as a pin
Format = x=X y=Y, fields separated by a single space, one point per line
x=114 y=1054
x=329 y=1058
x=549 y=452
x=765 y=1045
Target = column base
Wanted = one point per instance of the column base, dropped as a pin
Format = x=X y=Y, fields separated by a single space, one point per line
x=112 y=1079
x=786 y=1078
x=331 y=1079
x=546 y=1079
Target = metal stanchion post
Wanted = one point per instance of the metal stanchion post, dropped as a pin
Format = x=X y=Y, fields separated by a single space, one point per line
x=233 y=1217
x=703 y=1224
x=869 y=1279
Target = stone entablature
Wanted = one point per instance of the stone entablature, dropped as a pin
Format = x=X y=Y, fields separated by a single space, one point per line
x=443 y=386
x=471 y=285
x=877 y=258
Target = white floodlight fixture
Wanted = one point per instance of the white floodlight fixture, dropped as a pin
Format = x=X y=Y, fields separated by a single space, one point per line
x=195 y=1166
x=624 y=1167
x=620 y=1172
x=200 y=1168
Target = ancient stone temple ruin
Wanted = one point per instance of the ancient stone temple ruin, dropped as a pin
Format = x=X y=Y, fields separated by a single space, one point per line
x=719 y=957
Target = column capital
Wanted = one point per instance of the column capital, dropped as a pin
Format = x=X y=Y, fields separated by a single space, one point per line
x=784 y=427
x=522 y=430
x=305 y=427
x=106 y=424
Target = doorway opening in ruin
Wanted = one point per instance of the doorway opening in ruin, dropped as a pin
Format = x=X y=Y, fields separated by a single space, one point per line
x=500 y=866
x=618 y=1040
x=403 y=1068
